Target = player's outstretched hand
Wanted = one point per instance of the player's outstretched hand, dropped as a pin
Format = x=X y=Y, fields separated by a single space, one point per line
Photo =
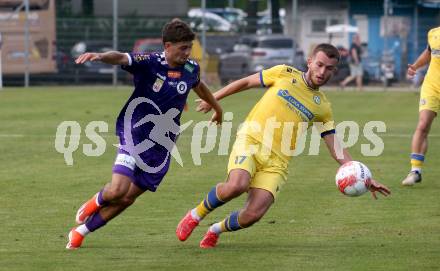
x=411 y=71
x=378 y=187
x=88 y=57
x=203 y=106
x=217 y=118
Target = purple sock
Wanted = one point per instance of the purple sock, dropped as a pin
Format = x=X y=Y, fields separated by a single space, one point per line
x=101 y=200
x=95 y=222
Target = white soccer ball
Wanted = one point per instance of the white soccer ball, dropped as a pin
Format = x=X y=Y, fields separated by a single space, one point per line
x=353 y=178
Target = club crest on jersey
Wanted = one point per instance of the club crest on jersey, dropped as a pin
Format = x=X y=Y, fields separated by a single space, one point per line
x=316 y=99
x=422 y=101
x=182 y=87
x=158 y=85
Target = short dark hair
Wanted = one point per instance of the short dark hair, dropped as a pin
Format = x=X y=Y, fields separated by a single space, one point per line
x=177 y=31
x=328 y=49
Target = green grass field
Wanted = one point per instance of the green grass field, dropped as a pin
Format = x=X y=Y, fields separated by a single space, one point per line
x=311 y=227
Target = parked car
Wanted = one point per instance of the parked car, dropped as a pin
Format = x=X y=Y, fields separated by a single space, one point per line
x=254 y=53
x=213 y=22
x=94 y=71
x=148 y=45
x=92 y=46
x=235 y=16
x=264 y=21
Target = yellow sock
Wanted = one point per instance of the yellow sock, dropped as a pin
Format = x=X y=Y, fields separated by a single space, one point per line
x=208 y=204
x=417 y=162
x=231 y=223
x=201 y=210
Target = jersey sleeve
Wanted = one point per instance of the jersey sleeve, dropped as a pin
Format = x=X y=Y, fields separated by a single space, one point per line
x=269 y=76
x=197 y=81
x=137 y=62
x=328 y=124
x=428 y=46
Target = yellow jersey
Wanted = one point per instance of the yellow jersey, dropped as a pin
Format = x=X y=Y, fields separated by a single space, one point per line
x=288 y=106
x=432 y=77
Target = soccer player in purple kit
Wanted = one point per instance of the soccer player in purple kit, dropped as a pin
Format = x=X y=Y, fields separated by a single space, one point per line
x=147 y=126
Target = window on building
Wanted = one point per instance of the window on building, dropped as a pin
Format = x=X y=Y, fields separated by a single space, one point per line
x=318 y=24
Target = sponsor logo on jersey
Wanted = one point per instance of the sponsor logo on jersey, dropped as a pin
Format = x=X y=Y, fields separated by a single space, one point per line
x=140 y=57
x=189 y=67
x=174 y=74
x=291 y=101
x=125 y=160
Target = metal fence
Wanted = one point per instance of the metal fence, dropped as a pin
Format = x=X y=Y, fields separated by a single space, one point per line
x=97 y=35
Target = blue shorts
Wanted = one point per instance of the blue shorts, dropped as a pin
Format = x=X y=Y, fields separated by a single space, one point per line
x=148 y=170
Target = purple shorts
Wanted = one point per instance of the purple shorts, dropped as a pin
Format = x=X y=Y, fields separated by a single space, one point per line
x=148 y=170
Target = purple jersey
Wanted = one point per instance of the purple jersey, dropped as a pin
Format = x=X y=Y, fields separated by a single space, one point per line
x=166 y=87
x=149 y=122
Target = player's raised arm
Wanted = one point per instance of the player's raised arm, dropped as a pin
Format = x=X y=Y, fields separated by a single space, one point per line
x=110 y=57
x=237 y=86
x=421 y=61
x=338 y=153
x=205 y=94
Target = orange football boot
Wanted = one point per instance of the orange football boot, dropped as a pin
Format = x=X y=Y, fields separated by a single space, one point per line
x=87 y=209
x=186 y=226
x=209 y=240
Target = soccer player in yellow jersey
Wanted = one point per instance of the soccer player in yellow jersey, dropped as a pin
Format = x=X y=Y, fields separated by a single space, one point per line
x=259 y=158
x=429 y=104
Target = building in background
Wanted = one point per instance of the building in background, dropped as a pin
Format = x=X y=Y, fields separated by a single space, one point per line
x=403 y=34
x=42 y=37
x=166 y=8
